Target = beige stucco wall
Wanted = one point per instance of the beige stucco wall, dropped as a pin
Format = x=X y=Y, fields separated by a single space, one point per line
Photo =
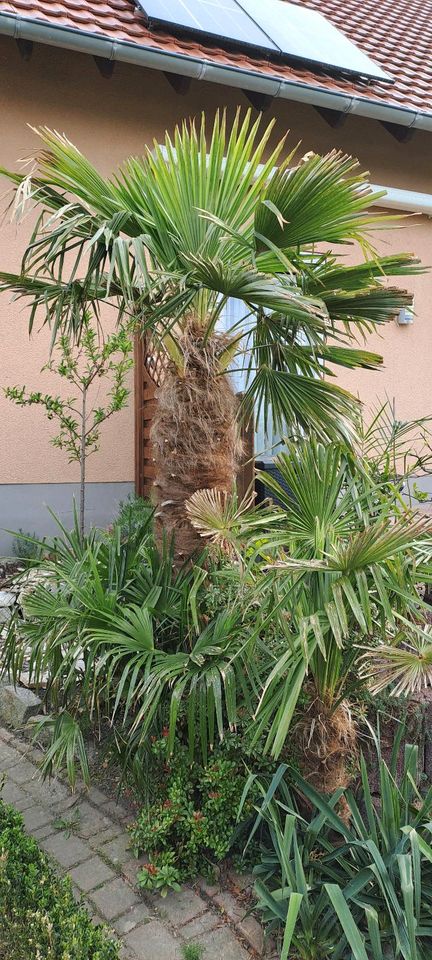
x=109 y=119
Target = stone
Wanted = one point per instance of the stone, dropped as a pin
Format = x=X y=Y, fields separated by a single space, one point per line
x=117 y=850
x=90 y=821
x=210 y=889
x=42 y=832
x=18 y=704
x=221 y=944
x=22 y=772
x=200 y=925
x=98 y=840
x=96 y=797
x=6 y=599
x=8 y=757
x=137 y=915
x=114 y=898
x=91 y=874
x=12 y=793
x=247 y=926
x=132 y=867
x=52 y=793
x=35 y=817
x=152 y=941
x=126 y=953
x=179 y=908
x=114 y=809
x=5 y=614
x=66 y=850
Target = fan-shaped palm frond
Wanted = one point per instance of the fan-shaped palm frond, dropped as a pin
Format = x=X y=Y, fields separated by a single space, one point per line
x=203 y=218
x=405 y=665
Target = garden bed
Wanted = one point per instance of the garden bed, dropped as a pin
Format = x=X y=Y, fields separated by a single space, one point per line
x=39 y=917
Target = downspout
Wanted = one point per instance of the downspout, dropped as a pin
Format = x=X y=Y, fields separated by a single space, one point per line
x=18 y=27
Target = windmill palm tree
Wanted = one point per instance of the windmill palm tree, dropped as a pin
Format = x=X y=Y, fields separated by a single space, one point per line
x=175 y=234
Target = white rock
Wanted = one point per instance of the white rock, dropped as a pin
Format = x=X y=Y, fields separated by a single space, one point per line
x=5 y=614
x=6 y=599
x=17 y=704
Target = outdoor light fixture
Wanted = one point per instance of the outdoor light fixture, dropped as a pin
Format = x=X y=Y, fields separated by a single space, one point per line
x=405 y=316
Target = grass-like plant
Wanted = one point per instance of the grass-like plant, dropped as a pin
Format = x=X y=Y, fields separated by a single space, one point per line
x=358 y=889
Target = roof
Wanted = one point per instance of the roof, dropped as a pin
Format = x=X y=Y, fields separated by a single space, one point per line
x=397 y=34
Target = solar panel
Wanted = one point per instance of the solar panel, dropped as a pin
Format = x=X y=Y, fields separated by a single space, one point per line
x=306 y=35
x=275 y=26
x=224 y=19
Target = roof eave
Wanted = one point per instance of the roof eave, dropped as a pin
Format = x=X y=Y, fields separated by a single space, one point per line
x=97 y=45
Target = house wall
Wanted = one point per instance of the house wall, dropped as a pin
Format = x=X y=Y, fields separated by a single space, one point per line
x=108 y=120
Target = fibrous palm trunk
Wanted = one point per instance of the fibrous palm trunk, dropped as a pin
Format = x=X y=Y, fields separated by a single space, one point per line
x=326 y=737
x=195 y=436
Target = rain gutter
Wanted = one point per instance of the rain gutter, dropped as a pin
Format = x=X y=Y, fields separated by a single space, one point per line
x=96 y=45
x=405 y=200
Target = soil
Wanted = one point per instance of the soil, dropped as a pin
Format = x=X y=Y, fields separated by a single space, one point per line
x=8 y=569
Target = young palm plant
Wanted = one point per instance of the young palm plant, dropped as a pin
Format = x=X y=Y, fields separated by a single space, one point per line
x=175 y=234
x=339 y=566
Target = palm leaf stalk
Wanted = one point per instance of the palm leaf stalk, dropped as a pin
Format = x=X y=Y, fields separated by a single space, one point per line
x=175 y=234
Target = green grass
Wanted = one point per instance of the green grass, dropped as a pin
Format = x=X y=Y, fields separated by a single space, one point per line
x=192 y=951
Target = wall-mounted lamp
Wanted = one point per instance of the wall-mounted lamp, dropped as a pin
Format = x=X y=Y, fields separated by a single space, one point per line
x=405 y=316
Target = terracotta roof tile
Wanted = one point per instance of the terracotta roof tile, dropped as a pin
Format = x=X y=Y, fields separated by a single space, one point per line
x=397 y=34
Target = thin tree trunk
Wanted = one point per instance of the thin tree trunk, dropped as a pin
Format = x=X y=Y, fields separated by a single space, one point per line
x=82 y=465
x=195 y=438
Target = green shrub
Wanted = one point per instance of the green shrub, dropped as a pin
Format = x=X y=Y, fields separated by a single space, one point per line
x=133 y=514
x=189 y=826
x=26 y=546
x=39 y=919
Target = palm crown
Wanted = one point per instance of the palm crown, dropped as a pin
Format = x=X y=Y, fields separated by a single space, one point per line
x=175 y=234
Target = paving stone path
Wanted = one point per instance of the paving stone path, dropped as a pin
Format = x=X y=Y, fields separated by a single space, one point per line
x=86 y=835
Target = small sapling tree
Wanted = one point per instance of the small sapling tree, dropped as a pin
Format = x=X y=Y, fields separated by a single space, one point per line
x=79 y=417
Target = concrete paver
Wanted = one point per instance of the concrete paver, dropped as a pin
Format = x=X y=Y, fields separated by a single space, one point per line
x=180 y=907
x=137 y=915
x=114 y=898
x=66 y=850
x=222 y=945
x=152 y=941
x=118 y=850
x=91 y=874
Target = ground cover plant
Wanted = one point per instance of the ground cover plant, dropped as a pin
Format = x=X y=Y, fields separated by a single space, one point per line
x=189 y=825
x=38 y=913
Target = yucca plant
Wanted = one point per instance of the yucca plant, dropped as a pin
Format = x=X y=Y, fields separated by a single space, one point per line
x=175 y=234
x=357 y=891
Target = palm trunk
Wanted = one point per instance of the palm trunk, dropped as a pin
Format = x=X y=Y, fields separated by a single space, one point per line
x=326 y=738
x=195 y=438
